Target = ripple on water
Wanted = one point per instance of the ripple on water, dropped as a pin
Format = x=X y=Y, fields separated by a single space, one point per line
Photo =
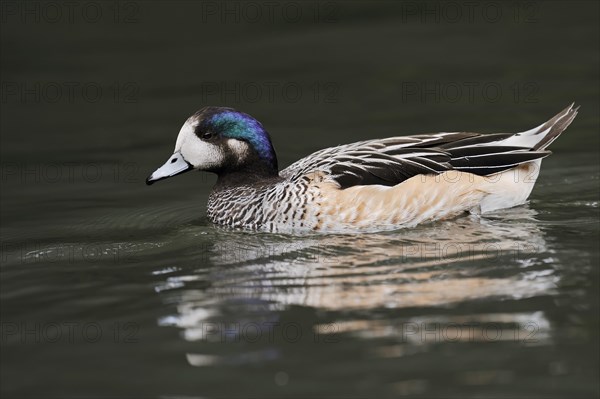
x=436 y=266
x=163 y=217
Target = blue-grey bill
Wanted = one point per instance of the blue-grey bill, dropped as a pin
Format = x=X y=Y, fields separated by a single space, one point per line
x=175 y=165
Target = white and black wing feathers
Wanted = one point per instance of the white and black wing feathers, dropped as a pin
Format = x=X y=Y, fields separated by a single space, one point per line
x=392 y=160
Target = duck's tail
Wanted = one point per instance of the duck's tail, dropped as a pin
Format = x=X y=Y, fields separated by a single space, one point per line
x=513 y=187
x=539 y=138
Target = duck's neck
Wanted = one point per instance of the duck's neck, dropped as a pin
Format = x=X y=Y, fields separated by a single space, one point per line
x=255 y=173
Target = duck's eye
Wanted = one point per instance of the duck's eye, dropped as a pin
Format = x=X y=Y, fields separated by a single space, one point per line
x=207 y=136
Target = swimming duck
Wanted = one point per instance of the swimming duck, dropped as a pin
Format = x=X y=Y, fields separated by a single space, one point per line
x=376 y=184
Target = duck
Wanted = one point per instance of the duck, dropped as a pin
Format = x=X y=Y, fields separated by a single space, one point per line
x=372 y=185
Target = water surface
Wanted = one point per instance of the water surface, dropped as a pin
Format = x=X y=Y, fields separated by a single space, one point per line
x=112 y=288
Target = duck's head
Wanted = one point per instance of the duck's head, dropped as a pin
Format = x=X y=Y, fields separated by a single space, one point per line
x=220 y=140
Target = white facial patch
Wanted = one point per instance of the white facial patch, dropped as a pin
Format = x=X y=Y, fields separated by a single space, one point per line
x=201 y=154
x=239 y=148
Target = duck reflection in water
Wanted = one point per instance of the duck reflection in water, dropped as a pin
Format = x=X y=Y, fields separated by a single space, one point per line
x=428 y=271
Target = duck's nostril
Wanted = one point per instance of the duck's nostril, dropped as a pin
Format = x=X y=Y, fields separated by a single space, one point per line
x=173 y=160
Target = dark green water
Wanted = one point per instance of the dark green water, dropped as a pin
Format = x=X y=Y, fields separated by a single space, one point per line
x=110 y=288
